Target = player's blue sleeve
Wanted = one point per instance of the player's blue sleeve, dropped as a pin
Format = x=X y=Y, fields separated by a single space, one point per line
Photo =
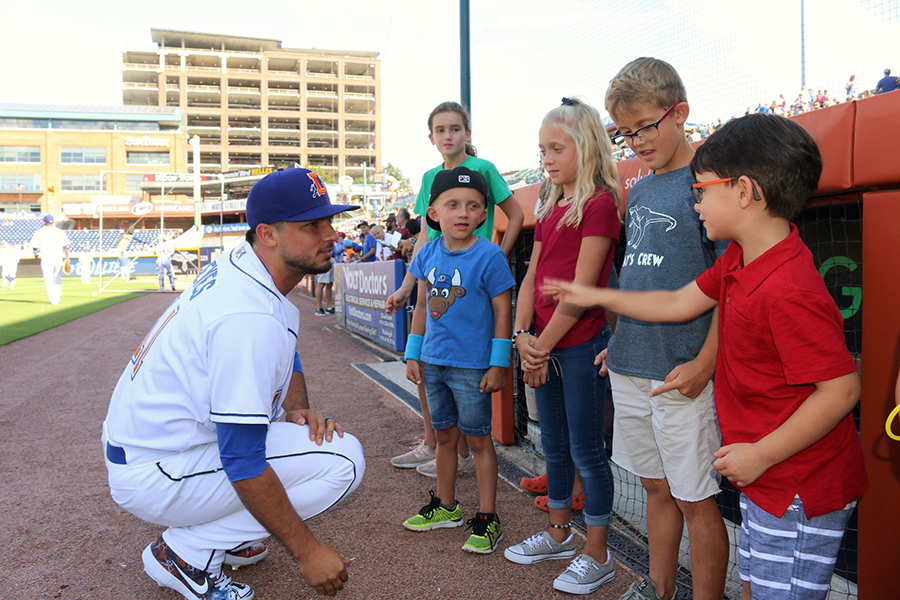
x=298 y=366
x=242 y=448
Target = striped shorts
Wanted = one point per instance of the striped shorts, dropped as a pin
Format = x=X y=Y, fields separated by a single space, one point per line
x=791 y=558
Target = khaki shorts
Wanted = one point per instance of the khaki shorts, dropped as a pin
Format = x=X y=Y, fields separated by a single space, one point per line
x=667 y=437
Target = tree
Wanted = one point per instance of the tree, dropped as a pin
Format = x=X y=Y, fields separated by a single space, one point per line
x=397 y=174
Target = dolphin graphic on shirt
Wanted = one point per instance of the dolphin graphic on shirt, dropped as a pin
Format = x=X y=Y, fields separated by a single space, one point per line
x=641 y=217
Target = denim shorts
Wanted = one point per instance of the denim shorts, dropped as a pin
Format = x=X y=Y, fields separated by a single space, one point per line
x=454 y=399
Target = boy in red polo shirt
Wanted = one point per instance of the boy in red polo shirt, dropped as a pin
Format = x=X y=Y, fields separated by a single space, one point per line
x=785 y=382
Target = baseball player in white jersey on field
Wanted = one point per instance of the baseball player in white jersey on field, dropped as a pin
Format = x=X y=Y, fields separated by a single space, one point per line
x=9 y=264
x=209 y=432
x=53 y=246
x=164 y=254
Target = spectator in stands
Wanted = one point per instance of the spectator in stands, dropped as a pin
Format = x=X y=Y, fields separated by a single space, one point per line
x=402 y=220
x=888 y=83
x=850 y=88
x=370 y=244
x=52 y=243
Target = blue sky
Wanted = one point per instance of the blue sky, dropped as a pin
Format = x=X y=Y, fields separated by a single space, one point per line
x=526 y=54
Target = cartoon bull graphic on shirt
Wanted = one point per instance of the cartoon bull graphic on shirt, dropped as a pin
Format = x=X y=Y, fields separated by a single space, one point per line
x=443 y=290
x=641 y=217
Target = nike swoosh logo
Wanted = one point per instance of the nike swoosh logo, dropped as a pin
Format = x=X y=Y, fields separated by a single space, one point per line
x=191 y=583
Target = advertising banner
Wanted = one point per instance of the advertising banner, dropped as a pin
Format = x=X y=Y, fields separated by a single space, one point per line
x=361 y=289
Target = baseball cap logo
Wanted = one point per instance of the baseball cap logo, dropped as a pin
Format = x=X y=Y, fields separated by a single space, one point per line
x=464 y=179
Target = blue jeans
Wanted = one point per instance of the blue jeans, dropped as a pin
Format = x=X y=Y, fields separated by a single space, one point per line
x=571 y=407
x=455 y=400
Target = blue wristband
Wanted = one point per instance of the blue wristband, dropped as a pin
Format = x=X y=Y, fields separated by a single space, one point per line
x=414 y=346
x=298 y=366
x=500 y=352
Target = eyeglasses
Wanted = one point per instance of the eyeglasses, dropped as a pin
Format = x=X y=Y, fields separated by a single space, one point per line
x=647 y=133
x=697 y=188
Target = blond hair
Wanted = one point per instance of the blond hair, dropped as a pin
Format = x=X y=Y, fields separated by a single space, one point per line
x=596 y=166
x=644 y=81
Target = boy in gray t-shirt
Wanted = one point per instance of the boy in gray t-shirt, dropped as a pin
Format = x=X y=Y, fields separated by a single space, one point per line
x=665 y=422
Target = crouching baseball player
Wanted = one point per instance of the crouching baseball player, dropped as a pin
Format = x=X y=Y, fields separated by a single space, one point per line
x=209 y=432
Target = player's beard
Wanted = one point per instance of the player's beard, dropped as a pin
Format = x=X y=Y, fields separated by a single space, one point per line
x=304 y=267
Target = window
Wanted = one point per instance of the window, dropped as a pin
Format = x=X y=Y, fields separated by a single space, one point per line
x=19 y=182
x=136 y=126
x=75 y=155
x=82 y=124
x=82 y=183
x=20 y=154
x=147 y=158
x=7 y=123
x=133 y=182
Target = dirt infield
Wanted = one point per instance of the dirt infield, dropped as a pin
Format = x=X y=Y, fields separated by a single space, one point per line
x=64 y=537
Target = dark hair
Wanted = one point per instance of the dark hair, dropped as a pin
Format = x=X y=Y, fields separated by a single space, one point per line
x=775 y=152
x=459 y=109
x=413 y=227
x=251 y=236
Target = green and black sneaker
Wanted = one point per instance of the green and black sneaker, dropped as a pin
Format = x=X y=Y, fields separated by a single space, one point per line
x=486 y=533
x=434 y=516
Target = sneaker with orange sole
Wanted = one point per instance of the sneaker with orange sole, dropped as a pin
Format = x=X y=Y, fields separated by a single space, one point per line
x=577 y=502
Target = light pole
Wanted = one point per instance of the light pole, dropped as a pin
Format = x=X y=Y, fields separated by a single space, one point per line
x=365 y=189
x=19 y=188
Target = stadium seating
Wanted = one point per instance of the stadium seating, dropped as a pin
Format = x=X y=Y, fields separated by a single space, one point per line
x=145 y=238
x=18 y=230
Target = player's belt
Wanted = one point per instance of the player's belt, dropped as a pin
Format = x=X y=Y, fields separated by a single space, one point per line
x=115 y=455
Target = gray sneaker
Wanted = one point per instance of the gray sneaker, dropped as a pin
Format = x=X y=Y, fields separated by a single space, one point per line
x=540 y=547
x=463 y=465
x=584 y=575
x=645 y=590
x=419 y=455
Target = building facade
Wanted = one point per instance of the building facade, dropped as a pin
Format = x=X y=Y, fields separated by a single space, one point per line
x=253 y=103
x=56 y=158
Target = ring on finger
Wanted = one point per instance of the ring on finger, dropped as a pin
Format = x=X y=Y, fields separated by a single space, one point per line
x=329 y=419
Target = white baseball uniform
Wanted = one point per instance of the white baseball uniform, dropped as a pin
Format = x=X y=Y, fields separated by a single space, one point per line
x=164 y=254
x=9 y=264
x=221 y=353
x=85 y=266
x=50 y=242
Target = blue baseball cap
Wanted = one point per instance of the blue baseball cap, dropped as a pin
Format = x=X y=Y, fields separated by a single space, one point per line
x=48 y=218
x=290 y=195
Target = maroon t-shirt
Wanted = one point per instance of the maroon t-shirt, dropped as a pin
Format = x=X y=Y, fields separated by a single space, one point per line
x=560 y=245
x=780 y=333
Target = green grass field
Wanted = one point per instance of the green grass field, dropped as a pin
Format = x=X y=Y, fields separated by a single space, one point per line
x=26 y=311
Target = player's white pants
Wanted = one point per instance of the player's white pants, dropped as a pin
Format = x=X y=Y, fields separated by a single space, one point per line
x=86 y=267
x=52 y=270
x=9 y=273
x=165 y=267
x=189 y=493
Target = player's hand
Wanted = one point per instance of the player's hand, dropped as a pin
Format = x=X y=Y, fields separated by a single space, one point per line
x=321 y=428
x=536 y=378
x=397 y=300
x=690 y=379
x=741 y=464
x=413 y=371
x=531 y=358
x=324 y=570
x=571 y=292
x=493 y=380
x=600 y=361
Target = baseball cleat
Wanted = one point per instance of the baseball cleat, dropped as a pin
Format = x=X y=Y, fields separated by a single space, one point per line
x=245 y=557
x=169 y=570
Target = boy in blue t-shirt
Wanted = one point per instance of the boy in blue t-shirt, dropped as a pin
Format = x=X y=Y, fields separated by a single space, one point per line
x=465 y=349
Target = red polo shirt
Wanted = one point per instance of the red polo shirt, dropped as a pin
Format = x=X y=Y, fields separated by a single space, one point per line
x=780 y=332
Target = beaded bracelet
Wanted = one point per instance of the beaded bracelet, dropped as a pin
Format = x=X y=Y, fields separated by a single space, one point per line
x=517 y=333
x=563 y=526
